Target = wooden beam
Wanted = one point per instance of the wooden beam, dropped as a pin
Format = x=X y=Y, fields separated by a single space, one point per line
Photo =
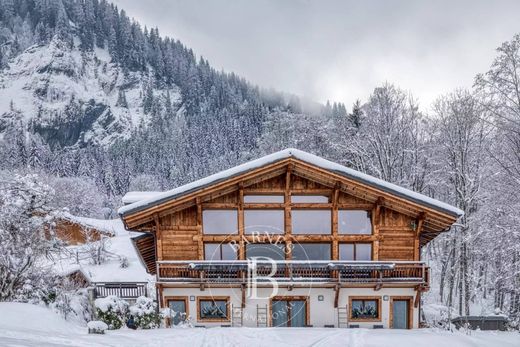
x=417 y=240
x=337 y=288
x=158 y=236
x=288 y=213
x=417 y=298
x=241 y=226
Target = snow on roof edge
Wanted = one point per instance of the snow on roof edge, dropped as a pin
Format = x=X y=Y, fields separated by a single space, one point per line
x=131 y=197
x=300 y=155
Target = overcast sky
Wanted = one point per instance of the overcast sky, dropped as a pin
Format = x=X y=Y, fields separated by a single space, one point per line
x=339 y=50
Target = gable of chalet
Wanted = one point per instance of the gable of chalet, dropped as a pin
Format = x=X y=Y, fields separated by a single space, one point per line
x=435 y=215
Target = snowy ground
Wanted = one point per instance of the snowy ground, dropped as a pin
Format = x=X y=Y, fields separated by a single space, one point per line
x=27 y=325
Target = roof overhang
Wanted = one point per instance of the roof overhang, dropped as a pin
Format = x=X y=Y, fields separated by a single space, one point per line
x=439 y=215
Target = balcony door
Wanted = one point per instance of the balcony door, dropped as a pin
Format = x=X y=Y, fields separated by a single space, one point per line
x=289 y=312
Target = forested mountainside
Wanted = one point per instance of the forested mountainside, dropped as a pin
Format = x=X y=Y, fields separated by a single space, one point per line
x=87 y=92
x=96 y=105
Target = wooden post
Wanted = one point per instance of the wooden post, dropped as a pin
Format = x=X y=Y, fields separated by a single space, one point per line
x=200 y=242
x=335 y=243
x=376 y=222
x=287 y=215
x=417 y=240
x=158 y=237
x=241 y=231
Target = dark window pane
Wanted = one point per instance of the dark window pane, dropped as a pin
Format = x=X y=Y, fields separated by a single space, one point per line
x=311 y=251
x=363 y=309
x=311 y=221
x=264 y=221
x=277 y=199
x=220 y=251
x=266 y=250
x=346 y=251
x=220 y=221
x=309 y=199
x=354 y=222
x=213 y=309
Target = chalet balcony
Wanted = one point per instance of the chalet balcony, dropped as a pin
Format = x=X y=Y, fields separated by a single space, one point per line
x=323 y=272
x=121 y=290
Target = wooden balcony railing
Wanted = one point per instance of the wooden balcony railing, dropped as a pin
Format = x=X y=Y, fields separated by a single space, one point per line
x=121 y=290
x=293 y=271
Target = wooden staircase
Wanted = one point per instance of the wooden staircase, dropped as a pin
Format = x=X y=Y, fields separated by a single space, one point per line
x=261 y=316
x=342 y=317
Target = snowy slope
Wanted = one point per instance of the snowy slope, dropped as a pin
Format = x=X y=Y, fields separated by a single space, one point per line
x=73 y=97
x=27 y=325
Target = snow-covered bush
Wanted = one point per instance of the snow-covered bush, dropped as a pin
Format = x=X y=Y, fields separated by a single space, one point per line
x=168 y=315
x=145 y=313
x=112 y=310
x=72 y=304
x=97 y=327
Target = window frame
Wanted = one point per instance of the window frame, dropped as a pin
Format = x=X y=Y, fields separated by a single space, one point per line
x=354 y=209
x=304 y=298
x=331 y=212
x=220 y=244
x=330 y=243
x=365 y=298
x=310 y=196
x=213 y=299
x=236 y=232
x=355 y=247
x=282 y=196
x=167 y=300
x=284 y=250
x=246 y=209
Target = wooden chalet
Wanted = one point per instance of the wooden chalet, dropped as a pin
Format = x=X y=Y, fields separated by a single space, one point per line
x=343 y=247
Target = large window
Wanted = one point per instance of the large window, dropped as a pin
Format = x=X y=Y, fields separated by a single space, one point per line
x=213 y=308
x=311 y=251
x=311 y=221
x=262 y=199
x=264 y=221
x=267 y=250
x=220 y=251
x=312 y=199
x=220 y=221
x=354 y=222
x=355 y=251
x=365 y=308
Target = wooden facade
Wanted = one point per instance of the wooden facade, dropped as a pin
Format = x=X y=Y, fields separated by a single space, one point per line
x=174 y=244
x=398 y=230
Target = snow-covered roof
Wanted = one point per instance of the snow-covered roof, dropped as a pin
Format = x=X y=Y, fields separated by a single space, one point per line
x=110 y=271
x=106 y=226
x=300 y=155
x=131 y=197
